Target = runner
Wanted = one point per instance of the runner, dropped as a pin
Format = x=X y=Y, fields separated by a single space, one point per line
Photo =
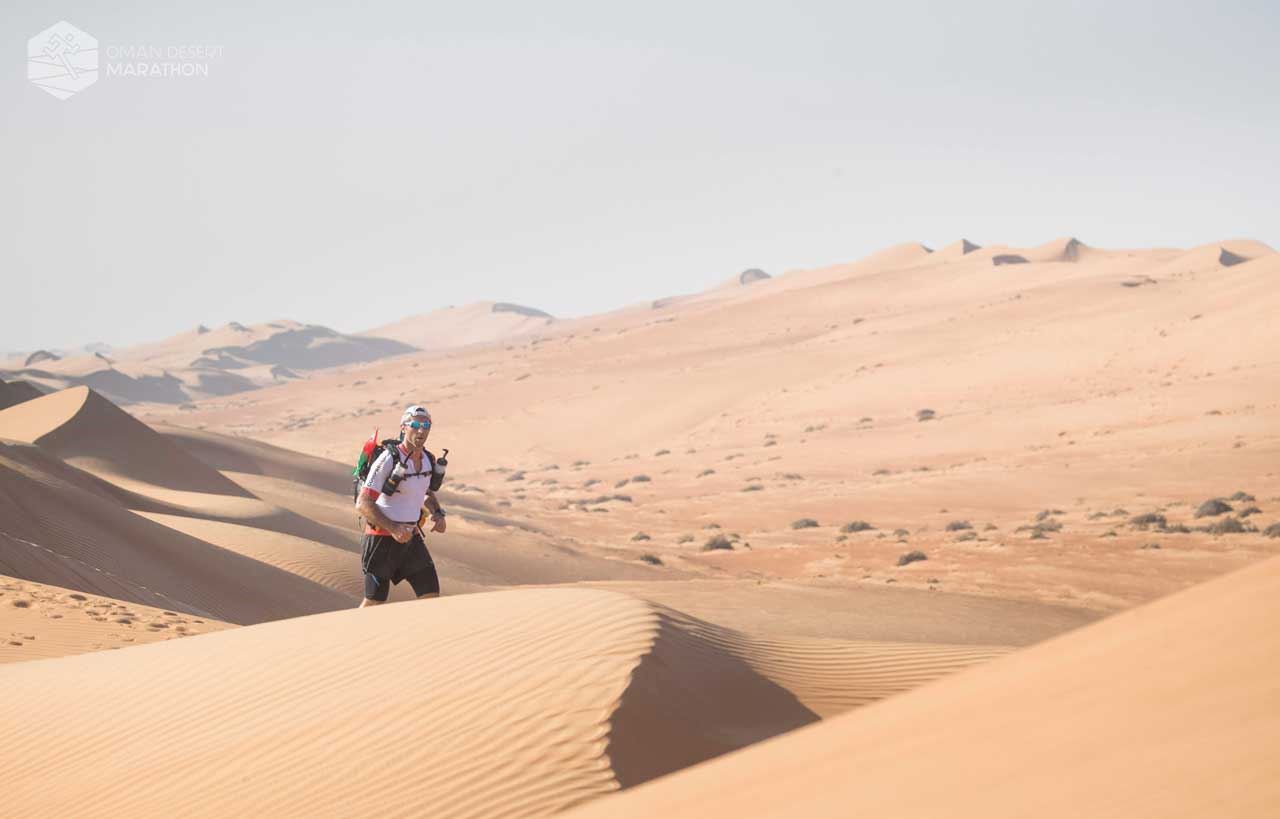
x=392 y=501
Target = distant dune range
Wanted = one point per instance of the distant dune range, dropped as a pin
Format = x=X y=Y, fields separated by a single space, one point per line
x=1082 y=380
x=509 y=703
x=237 y=358
x=451 y=327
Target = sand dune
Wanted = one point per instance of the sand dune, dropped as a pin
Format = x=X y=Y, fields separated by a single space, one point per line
x=65 y=527
x=1168 y=710
x=479 y=323
x=204 y=363
x=15 y=392
x=38 y=621
x=504 y=704
x=90 y=432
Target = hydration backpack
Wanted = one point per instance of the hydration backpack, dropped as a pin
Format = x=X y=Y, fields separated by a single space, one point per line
x=369 y=453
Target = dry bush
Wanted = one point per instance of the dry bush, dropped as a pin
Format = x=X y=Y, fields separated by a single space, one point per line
x=912 y=557
x=959 y=525
x=1212 y=508
x=856 y=526
x=652 y=560
x=1147 y=520
x=716 y=543
x=1227 y=526
x=804 y=523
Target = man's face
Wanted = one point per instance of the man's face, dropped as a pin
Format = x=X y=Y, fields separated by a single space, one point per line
x=416 y=437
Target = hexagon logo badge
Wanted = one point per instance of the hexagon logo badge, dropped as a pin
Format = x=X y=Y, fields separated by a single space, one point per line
x=62 y=60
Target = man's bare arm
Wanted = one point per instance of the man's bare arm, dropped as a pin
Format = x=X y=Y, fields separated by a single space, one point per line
x=433 y=505
x=371 y=513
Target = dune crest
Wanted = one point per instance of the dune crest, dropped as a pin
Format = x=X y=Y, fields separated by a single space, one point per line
x=86 y=430
x=509 y=703
x=1170 y=709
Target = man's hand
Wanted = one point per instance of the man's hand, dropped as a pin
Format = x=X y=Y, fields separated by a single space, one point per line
x=439 y=523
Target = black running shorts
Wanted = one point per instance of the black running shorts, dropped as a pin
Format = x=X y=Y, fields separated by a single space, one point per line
x=384 y=561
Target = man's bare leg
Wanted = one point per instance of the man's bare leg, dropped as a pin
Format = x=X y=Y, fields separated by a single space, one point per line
x=367 y=602
x=428 y=595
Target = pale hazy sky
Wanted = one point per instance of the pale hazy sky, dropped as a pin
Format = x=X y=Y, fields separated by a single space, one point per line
x=347 y=167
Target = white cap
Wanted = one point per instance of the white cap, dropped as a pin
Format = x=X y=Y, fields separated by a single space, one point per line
x=415 y=412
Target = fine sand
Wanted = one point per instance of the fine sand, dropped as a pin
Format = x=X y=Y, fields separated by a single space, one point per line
x=39 y=621
x=1170 y=710
x=514 y=703
x=675 y=530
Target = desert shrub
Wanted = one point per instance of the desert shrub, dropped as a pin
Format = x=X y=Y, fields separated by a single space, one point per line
x=1040 y=530
x=712 y=526
x=1243 y=496
x=990 y=527
x=901 y=532
x=685 y=539
x=661 y=452
x=1272 y=531
x=1226 y=526
x=912 y=557
x=1176 y=529
x=1044 y=513
x=1150 y=546
x=516 y=476
x=580 y=464
x=754 y=487
x=639 y=536
x=792 y=476
x=640 y=479
x=959 y=525
x=652 y=560
x=704 y=473
x=1247 y=511
x=587 y=484
x=1147 y=520
x=856 y=526
x=963 y=536
x=717 y=543
x=770 y=442
x=1212 y=508
x=804 y=523
x=925 y=415
x=622 y=483
x=1109 y=533
x=881 y=472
